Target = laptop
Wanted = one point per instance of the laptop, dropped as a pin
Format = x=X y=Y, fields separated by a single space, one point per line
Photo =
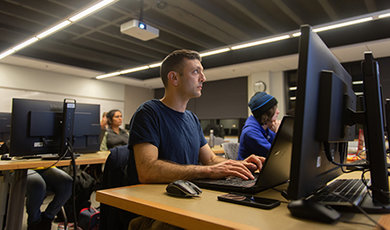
x=275 y=171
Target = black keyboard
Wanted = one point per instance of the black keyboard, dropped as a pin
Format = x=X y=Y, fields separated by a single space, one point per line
x=348 y=190
x=232 y=181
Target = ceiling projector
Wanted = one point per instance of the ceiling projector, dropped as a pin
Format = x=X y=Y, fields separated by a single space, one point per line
x=139 y=30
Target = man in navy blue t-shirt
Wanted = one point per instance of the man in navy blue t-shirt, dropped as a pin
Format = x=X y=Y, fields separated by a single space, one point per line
x=166 y=141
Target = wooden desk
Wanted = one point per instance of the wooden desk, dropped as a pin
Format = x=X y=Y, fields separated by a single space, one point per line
x=89 y=158
x=17 y=183
x=218 y=150
x=206 y=212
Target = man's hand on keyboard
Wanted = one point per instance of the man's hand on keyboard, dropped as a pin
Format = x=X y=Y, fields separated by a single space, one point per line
x=254 y=162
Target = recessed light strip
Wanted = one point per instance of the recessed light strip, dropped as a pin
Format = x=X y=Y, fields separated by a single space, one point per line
x=343 y=24
x=54 y=29
x=90 y=10
x=260 y=42
x=57 y=27
x=213 y=52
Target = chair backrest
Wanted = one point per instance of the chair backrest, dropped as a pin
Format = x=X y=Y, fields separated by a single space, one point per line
x=218 y=140
x=231 y=150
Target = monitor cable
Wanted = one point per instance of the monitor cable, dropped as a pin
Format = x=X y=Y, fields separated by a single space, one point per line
x=69 y=148
x=330 y=158
x=52 y=165
x=370 y=188
x=361 y=210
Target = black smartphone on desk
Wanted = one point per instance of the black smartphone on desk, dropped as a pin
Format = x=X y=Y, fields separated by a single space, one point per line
x=249 y=200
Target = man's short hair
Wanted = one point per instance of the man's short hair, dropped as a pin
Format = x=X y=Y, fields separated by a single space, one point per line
x=174 y=62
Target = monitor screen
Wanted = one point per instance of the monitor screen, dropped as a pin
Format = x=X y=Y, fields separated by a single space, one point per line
x=324 y=92
x=5 y=126
x=36 y=127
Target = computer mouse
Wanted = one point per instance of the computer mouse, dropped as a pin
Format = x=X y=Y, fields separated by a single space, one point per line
x=6 y=157
x=314 y=211
x=183 y=188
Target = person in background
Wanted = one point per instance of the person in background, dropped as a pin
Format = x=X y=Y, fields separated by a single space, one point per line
x=103 y=122
x=103 y=127
x=115 y=135
x=38 y=182
x=259 y=130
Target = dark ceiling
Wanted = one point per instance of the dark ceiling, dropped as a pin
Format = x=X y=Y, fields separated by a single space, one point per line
x=96 y=42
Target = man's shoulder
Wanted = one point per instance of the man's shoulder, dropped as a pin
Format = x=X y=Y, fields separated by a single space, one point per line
x=151 y=105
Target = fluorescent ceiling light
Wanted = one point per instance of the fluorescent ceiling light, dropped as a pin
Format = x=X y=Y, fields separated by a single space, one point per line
x=260 y=42
x=357 y=82
x=90 y=10
x=134 y=69
x=6 y=53
x=57 y=27
x=384 y=15
x=296 y=34
x=24 y=44
x=358 y=93
x=108 y=75
x=53 y=29
x=155 y=65
x=293 y=98
x=343 y=24
x=293 y=88
x=213 y=52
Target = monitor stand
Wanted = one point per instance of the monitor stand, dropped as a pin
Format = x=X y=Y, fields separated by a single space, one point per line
x=370 y=206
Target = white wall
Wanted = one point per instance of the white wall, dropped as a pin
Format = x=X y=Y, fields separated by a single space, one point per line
x=134 y=97
x=275 y=86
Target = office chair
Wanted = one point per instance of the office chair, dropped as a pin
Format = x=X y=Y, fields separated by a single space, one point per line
x=231 y=150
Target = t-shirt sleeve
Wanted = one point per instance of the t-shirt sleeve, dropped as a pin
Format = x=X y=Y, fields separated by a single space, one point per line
x=144 y=127
x=202 y=139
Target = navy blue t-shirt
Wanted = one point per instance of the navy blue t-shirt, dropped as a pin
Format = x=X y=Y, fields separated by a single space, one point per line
x=178 y=136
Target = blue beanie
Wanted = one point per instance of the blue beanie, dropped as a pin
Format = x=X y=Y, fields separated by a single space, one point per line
x=261 y=102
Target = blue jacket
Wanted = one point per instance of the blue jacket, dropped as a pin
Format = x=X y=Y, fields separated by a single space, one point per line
x=254 y=139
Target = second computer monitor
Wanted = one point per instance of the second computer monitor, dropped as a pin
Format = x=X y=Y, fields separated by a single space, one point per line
x=324 y=90
x=5 y=126
x=36 y=127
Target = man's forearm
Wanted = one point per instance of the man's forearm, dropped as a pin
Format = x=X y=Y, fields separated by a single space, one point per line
x=160 y=171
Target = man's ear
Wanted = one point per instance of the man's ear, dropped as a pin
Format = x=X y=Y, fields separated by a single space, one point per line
x=173 y=78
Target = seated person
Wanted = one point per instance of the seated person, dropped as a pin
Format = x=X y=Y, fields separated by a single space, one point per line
x=38 y=181
x=259 y=130
x=103 y=127
x=115 y=135
x=166 y=141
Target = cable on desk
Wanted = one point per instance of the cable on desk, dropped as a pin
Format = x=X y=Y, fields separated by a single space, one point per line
x=52 y=165
x=361 y=210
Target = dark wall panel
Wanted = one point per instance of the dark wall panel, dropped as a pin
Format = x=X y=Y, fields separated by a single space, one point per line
x=223 y=99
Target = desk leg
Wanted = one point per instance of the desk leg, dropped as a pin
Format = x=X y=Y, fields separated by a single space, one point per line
x=3 y=200
x=16 y=200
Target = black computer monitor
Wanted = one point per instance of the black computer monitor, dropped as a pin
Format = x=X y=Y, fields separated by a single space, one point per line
x=5 y=126
x=36 y=127
x=375 y=134
x=387 y=114
x=324 y=118
x=324 y=92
